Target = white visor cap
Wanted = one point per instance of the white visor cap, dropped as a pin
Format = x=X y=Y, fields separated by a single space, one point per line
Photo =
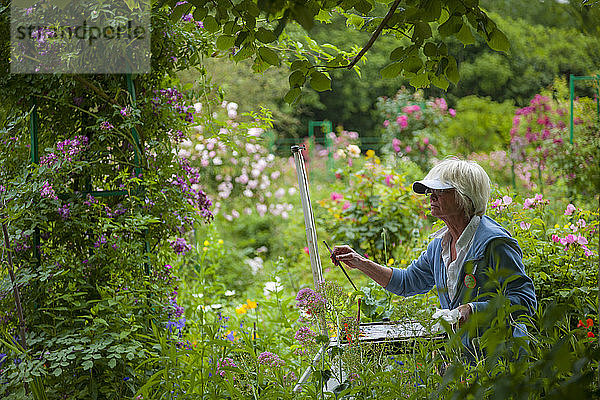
x=421 y=186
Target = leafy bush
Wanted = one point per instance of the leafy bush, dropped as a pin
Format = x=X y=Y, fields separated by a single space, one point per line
x=412 y=126
x=481 y=125
x=374 y=211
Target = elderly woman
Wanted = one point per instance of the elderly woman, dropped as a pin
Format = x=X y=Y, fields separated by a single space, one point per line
x=460 y=254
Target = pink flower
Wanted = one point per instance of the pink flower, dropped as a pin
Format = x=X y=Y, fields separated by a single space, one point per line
x=336 y=196
x=581 y=223
x=539 y=197
x=581 y=240
x=570 y=238
x=425 y=141
x=411 y=109
x=452 y=112
x=346 y=205
x=528 y=203
x=496 y=203
x=306 y=250
x=396 y=144
x=570 y=209
x=389 y=179
x=555 y=238
x=525 y=225
x=402 y=120
x=506 y=200
x=386 y=123
x=407 y=149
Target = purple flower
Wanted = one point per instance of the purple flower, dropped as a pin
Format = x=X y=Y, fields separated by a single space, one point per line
x=49 y=159
x=305 y=335
x=105 y=125
x=64 y=211
x=225 y=362
x=179 y=325
x=180 y=246
x=47 y=191
x=270 y=359
x=309 y=300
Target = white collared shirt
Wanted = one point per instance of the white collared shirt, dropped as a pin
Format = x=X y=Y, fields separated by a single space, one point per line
x=463 y=245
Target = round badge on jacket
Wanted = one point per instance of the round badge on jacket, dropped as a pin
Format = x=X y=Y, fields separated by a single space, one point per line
x=470 y=281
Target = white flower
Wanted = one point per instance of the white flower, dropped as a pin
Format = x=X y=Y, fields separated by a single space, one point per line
x=255 y=131
x=292 y=191
x=262 y=209
x=198 y=107
x=279 y=193
x=248 y=193
x=255 y=264
x=339 y=154
x=353 y=150
x=229 y=292
x=217 y=161
x=272 y=287
x=275 y=175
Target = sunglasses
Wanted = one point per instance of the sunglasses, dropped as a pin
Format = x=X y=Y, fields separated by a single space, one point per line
x=437 y=192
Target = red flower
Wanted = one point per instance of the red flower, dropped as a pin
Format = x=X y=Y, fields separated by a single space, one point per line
x=590 y=334
x=590 y=322
x=580 y=324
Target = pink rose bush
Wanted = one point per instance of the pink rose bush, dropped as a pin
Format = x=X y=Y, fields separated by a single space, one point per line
x=417 y=121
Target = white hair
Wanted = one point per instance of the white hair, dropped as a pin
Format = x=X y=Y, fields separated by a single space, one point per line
x=470 y=180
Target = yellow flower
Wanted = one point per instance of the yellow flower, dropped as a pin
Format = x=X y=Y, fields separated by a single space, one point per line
x=206 y=242
x=377 y=161
x=390 y=262
x=402 y=261
x=205 y=249
x=241 y=309
x=250 y=304
x=556 y=226
x=370 y=153
x=220 y=241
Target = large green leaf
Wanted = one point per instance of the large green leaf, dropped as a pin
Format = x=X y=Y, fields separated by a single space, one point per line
x=421 y=31
x=320 y=81
x=451 y=26
x=412 y=64
x=498 y=41
x=265 y=35
x=210 y=24
x=452 y=70
x=268 y=55
x=297 y=79
x=391 y=70
x=225 y=42
x=465 y=35
x=292 y=95
x=303 y=16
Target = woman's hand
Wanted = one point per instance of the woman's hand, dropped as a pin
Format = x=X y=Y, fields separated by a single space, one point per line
x=464 y=312
x=348 y=256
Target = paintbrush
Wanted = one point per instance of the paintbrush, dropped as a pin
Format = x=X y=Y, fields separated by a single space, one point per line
x=336 y=262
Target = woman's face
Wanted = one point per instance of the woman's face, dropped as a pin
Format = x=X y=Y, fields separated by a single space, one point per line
x=443 y=204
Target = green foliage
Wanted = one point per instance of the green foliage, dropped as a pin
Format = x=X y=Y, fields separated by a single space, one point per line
x=521 y=73
x=480 y=125
x=374 y=211
x=558 y=246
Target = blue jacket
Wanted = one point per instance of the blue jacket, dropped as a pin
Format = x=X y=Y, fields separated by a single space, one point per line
x=429 y=270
